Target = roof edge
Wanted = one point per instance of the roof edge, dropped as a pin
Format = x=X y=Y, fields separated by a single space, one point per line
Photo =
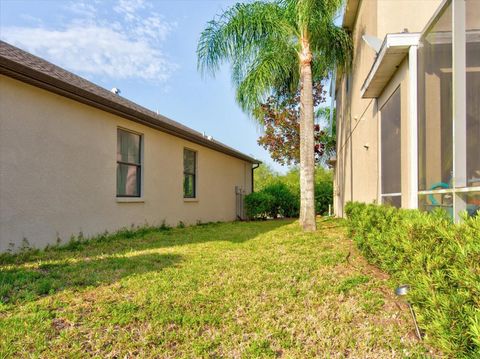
x=350 y=13
x=393 y=44
x=148 y=118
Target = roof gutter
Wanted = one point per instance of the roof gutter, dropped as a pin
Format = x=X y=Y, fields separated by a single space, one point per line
x=350 y=14
x=394 y=49
x=25 y=74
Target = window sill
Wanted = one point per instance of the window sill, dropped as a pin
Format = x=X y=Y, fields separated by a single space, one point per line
x=129 y=199
x=190 y=200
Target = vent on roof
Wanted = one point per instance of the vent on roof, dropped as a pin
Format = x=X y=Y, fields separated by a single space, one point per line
x=115 y=91
x=210 y=138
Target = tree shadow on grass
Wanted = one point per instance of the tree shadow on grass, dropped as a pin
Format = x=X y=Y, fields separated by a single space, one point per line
x=28 y=283
x=108 y=258
x=146 y=238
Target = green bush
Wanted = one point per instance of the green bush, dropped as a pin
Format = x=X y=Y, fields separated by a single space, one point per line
x=323 y=196
x=275 y=199
x=265 y=177
x=438 y=259
x=258 y=205
x=285 y=202
x=283 y=199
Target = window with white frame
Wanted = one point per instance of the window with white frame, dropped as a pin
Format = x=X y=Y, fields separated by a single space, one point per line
x=449 y=111
x=129 y=166
x=390 y=154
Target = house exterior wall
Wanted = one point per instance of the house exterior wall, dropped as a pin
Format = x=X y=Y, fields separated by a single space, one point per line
x=357 y=171
x=356 y=168
x=58 y=172
x=398 y=15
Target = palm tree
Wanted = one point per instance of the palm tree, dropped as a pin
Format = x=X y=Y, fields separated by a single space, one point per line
x=273 y=46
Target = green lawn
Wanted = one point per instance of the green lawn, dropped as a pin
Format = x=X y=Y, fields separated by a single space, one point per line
x=218 y=290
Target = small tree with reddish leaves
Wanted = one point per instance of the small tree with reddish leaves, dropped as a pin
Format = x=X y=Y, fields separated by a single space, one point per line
x=281 y=126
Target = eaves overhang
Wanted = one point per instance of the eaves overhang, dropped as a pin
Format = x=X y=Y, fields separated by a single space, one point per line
x=394 y=49
x=350 y=14
x=28 y=68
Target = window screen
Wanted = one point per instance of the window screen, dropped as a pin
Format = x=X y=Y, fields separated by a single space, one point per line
x=435 y=145
x=391 y=147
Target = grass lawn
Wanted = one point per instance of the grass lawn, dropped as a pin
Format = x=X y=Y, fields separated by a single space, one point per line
x=218 y=290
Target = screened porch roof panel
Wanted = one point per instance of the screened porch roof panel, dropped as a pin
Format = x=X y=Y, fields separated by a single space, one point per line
x=394 y=49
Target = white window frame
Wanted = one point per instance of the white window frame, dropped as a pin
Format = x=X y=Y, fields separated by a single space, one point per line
x=140 y=198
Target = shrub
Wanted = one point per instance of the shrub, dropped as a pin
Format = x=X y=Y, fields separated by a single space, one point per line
x=441 y=262
x=265 y=177
x=323 y=196
x=258 y=205
x=284 y=199
x=285 y=202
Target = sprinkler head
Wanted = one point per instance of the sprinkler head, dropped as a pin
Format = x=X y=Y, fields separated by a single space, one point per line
x=402 y=290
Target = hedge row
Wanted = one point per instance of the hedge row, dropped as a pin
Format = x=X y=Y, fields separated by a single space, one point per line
x=438 y=259
x=273 y=200
x=278 y=199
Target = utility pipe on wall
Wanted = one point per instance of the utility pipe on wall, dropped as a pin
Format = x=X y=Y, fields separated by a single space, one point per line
x=253 y=169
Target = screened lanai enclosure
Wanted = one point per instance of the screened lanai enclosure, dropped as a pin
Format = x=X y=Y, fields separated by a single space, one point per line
x=449 y=110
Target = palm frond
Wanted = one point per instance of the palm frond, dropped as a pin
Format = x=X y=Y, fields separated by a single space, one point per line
x=239 y=32
x=332 y=46
x=267 y=74
x=261 y=41
x=310 y=14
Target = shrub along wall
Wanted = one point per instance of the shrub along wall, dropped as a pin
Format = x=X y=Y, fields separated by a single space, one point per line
x=267 y=181
x=438 y=259
x=281 y=196
x=273 y=200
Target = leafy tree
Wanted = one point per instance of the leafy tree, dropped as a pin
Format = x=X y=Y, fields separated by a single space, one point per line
x=292 y=177
x=276 y=47
x=281 y=128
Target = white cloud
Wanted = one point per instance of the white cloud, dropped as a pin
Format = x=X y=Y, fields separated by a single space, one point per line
x=129 y=8
x=31 y=19
x=93 y=43
x=82 y=8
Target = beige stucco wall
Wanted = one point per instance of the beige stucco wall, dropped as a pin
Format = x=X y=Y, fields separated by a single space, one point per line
x=58 y=172
x=398 y=15
x=357 y=170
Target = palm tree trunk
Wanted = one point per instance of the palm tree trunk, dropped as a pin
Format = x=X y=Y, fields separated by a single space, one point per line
x=307 y=159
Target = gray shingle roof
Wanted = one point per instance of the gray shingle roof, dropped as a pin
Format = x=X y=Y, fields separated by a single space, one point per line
x=34 y=70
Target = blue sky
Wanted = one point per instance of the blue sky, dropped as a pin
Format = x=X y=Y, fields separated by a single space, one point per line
x=144 y=48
